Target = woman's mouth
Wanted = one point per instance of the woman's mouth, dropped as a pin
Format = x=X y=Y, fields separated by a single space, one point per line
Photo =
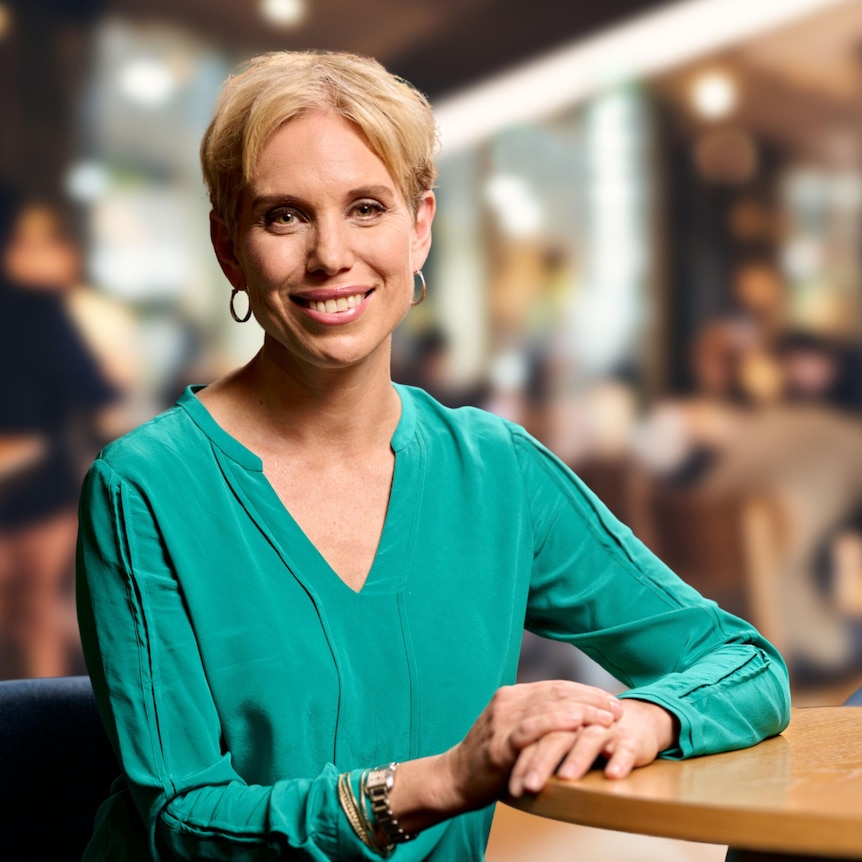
x=332 y=306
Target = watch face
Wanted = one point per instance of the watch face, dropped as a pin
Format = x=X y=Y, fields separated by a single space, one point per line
x=378 y=784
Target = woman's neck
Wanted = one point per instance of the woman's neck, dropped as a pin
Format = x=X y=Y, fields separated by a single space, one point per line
x=269 y=404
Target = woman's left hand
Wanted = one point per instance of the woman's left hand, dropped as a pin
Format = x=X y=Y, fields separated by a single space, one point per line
x=635 y=739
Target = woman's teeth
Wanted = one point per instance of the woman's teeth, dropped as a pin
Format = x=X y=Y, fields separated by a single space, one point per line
x=330 y=306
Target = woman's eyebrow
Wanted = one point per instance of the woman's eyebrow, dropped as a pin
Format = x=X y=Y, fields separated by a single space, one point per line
x=270 y=200
x=373 y=191
x=276 y=199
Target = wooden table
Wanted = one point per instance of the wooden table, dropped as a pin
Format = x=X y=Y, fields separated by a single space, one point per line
x=798 y=793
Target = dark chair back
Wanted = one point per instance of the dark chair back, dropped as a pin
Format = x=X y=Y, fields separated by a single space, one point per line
x=702 y=539
x=56 y=766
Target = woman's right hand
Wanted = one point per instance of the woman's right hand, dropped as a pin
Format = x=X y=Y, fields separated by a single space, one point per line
x=518 y=717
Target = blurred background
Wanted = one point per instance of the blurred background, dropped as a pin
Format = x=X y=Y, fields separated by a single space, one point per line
x=648 y=251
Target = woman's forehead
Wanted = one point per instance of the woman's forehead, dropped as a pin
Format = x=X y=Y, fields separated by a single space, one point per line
x=321 y=147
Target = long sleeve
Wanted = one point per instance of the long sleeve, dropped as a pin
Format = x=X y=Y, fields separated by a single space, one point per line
x=596 y=586
x=155 y=698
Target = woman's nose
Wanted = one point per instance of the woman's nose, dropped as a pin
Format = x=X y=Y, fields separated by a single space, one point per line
x=329 y=249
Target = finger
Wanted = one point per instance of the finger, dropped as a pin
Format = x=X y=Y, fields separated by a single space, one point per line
x=524 y=699
x=537 y=762
x=519 y=770
x=529 y=729
x=592 y=741
x=622 y=758
x=567 y=690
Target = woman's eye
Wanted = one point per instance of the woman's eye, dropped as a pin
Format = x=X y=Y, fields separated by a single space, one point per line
x=368 y=209
x=281 y=218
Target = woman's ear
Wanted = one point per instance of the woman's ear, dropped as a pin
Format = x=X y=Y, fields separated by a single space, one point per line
x=422 y=229
x=225 y=250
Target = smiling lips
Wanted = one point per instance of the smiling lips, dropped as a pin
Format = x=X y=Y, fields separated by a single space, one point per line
x=332 y=304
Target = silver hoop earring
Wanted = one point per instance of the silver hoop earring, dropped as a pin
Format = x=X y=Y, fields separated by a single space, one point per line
x=422 y=284
x=233 y=313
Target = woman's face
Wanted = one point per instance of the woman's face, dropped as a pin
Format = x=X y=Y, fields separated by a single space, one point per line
x=326 y=245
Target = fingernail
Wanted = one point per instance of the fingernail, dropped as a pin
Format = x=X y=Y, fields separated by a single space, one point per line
x=532 y=781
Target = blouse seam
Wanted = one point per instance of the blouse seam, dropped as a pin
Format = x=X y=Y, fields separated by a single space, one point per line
x=406 y=636
x=538 y=542
x=147 y=661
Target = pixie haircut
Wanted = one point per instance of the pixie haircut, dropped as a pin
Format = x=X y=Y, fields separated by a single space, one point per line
x=395 y=119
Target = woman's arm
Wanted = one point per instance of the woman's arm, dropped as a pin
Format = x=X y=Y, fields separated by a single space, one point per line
x=595 y=585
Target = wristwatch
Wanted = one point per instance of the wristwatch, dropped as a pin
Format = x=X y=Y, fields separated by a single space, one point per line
x=378 y=783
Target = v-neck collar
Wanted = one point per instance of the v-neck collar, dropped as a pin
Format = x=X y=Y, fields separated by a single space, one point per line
x=235 y=450
x=243 y=469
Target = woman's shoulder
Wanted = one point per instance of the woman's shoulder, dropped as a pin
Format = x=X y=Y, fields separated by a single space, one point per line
x=433 y=418
x=479 y=436
x=160 y=443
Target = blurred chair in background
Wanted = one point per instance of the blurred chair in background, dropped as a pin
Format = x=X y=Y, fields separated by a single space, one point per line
x=728 y=547
x=57 y=766
x=809 y=458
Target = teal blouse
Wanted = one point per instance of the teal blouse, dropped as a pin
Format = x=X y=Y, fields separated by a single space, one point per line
x=237 y=675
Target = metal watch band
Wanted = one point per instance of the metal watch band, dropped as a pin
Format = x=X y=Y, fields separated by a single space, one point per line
x=378 y=783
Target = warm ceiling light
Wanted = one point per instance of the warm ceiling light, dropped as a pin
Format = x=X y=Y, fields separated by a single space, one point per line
x=714 y=95
x=645 y=45
x=5 y=20
x=283 y=13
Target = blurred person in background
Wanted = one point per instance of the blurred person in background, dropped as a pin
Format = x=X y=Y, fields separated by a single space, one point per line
x=766 y=419
x=817 y=369
x=807 y=457
x=822 y=372
x=52 y=398
x=45 y=255
x=760 y=293
x=810 y=366
x=302 y=589
x=680 y=437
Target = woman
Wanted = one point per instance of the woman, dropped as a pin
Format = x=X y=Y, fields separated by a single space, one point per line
x=302 y=590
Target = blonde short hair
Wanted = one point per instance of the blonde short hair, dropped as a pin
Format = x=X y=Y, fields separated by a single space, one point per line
x=395 y=118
